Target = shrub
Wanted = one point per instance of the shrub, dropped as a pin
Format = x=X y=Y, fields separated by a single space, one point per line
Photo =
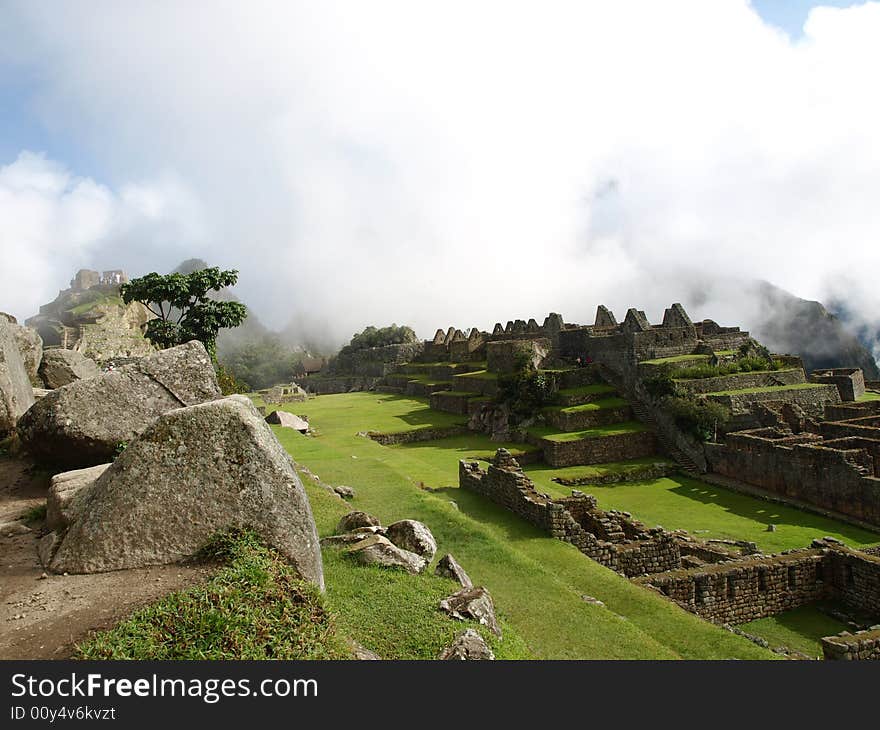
x=525 y=390
x=700 y=418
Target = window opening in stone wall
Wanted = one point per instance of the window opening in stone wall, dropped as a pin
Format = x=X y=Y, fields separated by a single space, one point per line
x=792 y=578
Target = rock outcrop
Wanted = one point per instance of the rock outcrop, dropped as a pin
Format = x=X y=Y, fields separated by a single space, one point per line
x=16 y=391
x=30 y=347
x=62 y=367
x=413 y=536
x=83 y=423
x=468 y=645
x=194 y=472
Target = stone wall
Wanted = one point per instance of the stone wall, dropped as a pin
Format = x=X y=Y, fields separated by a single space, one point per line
x=747 y=589
x=327 y=385
x=505 y=356
x=582 y=419
x=449 y=402
x=803 y=467
x=618 y=447
x=416 y=435
x=621 y=544
x=850 y=382
x=738 y=591
x=812 y=400
x=740 y=381
x=849 y=647
x=376 y=362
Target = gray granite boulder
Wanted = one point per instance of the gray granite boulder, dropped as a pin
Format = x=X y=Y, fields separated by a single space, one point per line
x=83 y=423
x=16 y=391
x=413 y=536
x=62 y=501
x=30 y=346
x=356 y=519
x=62 y=367
x=378 y=550
x=195 y=472
x=448 y=567
x=472 y=604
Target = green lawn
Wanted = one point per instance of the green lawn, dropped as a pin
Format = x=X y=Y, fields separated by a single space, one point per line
x=596 y=405
x=537 y=582
x=707 y=511
x=800 y=629
x=477 y=375
x=595 y=389
x=613 y=429
x=868 y=395
x=675 y=359
x=774 y=389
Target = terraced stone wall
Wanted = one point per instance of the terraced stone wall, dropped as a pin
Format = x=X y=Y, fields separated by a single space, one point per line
x=837 y=475
x=575 y=520
x=863 y=645
x=618 y=447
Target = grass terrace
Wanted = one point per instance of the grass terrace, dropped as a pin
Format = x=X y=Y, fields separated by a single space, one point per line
x=614 y=429
x=705 y=511
x=869 y=395
x=674 y=359
x=595 y=389
x=768 y=389
x=478 y=375
x=800 y=629
x=597 y=405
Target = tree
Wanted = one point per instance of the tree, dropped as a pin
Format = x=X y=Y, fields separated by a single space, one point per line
x=183 y=309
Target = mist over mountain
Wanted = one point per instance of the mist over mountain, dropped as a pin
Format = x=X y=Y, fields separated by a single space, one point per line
x=806 y=328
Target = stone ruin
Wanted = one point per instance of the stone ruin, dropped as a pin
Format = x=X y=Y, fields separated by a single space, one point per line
x=722 y=583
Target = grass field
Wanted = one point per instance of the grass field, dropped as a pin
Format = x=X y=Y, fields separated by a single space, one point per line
x=774 y=389
x=537 y=582
x=707 y=511
x=800 y=629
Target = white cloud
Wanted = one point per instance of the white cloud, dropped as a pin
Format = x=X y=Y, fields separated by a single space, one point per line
x=53 y=223
x=467 y=162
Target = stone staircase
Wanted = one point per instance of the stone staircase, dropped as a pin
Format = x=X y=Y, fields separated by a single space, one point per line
x=682 y=459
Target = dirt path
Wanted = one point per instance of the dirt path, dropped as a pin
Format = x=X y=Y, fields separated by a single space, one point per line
x=42 y=617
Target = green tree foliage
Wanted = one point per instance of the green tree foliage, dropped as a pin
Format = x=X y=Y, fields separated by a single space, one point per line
x=526 y=390
x=262 y=362
x=373 y=337
x=183 y=309
x=701 y=418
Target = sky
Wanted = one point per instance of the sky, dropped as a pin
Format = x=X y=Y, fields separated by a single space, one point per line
x=438 y=164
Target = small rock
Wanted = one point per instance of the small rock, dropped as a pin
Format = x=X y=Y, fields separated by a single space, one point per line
x=378 y=550
x=363 y=654
x=356 y=519
x=771 y=528
x=9 y=529
x=43 y=576
x=413 y=536
x=344 y=492
x=468 y=645
x=593 y=601
x=448 y=567
x=472 y=604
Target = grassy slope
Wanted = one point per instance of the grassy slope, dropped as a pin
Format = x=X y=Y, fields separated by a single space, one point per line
x=800 y=629
x=537 y=582
x=773 y=388
x=708 y=511
x=255 y=607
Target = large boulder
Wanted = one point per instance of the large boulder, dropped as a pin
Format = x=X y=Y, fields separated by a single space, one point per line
x=62 y=367
x=16 y=391
x=63 y=500
x=378 y=550
x=83 y=423
x=413 y=536
x=30 y=346
x=195 y=472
